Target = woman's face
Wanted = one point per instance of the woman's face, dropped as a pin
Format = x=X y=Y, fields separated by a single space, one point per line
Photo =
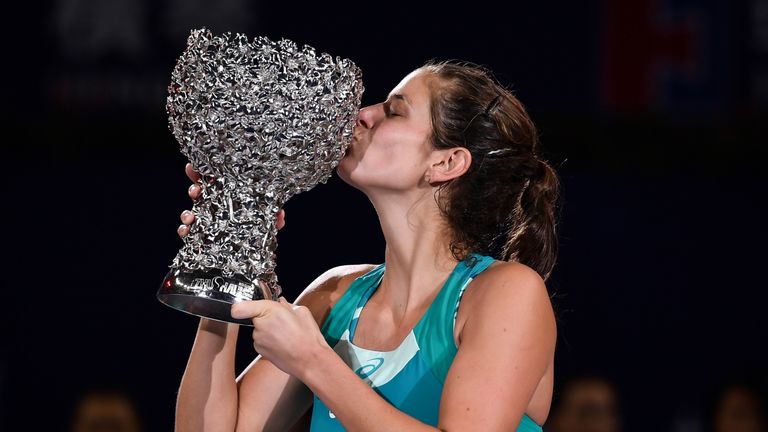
x=391 y=146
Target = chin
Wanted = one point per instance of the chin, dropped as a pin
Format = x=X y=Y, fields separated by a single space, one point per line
x=344 y=171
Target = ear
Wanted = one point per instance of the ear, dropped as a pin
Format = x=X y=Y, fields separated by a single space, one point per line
x=448 y=164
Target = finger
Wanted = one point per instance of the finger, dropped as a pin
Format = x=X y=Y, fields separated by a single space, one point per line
x=284 y=302
x=191 y=173
x=182 y=230
x=194 y=191
x=187 y=217
x=280 y=219
x=251 y=309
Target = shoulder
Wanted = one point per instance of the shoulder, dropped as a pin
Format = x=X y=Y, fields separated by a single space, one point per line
x=512 y=278
x=323 y=293
x=511 y=332
x=508 y=292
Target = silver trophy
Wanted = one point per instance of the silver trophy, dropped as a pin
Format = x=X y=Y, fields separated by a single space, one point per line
x=261 y=121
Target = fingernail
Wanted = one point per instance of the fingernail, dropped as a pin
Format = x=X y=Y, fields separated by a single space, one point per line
x=192 y=188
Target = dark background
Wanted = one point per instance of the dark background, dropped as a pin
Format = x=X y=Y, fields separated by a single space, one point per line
x=652 y=111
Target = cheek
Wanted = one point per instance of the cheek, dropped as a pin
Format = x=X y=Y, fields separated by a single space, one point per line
x=400 y=141
x=397 y=152
x=390 y=165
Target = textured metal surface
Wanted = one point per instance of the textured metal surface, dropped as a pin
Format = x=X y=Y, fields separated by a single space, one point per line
x=265 y=119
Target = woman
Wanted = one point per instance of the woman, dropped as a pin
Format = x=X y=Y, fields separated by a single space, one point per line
x=450 y=163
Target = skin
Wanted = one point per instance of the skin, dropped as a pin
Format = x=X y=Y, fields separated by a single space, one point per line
x=505 y=323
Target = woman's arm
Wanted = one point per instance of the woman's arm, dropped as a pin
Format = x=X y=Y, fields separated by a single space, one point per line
x=506 y=346
x=207 y=399
x=209 y=395
x=507 y=343
x=263 y=398
x=272 y=400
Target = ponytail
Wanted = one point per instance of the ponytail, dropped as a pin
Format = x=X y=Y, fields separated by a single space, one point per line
x=532 y=240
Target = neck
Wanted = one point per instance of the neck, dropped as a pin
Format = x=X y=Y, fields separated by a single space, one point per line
x=417 y=256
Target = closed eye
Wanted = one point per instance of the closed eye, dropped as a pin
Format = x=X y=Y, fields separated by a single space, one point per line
x=388 y=110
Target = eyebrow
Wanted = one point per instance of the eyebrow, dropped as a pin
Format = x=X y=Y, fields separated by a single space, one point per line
x=401 y=97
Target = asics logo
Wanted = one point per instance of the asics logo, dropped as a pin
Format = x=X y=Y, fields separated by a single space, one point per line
x=365 y=370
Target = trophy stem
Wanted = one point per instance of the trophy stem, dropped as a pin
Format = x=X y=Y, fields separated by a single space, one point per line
x=228 y=255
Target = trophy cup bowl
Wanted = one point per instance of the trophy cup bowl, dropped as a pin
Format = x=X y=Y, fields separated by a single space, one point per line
x=261 y=121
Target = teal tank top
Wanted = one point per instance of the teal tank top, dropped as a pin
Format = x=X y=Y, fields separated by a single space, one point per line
x=411 y=377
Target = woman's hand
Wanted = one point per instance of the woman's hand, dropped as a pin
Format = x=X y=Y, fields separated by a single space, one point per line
x=284 y=334
x=187 y=217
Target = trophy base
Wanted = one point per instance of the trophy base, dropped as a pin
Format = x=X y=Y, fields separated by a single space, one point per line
x=208 y=294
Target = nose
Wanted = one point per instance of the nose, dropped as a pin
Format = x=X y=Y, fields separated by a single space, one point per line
x=366 y=118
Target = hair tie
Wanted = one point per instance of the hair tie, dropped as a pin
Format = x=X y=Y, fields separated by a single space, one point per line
x=500 y=152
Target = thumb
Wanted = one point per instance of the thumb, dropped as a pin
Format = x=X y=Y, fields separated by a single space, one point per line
x=249 y=309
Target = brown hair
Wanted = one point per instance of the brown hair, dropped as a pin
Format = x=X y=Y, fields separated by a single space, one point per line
x=505 y=204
